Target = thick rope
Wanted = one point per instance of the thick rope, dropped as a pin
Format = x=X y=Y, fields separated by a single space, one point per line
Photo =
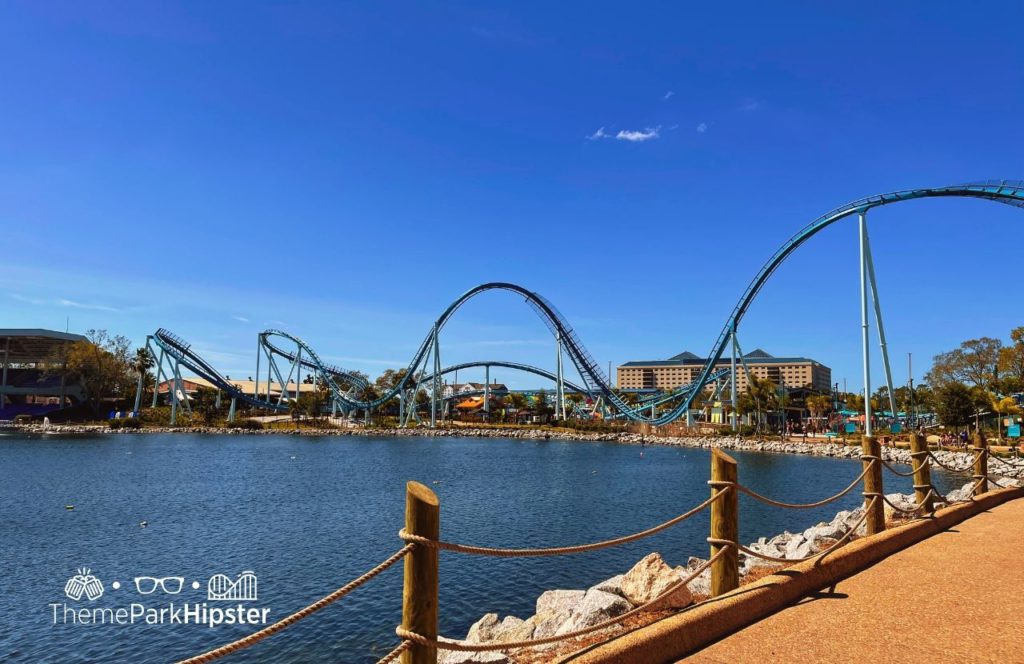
x=244 y=642
x=763 y=556
x=951 y=468
x=1005 y=462
x=396 y=653
x=897 y=472
x=559 y=550
x=1001 y=486
x=917 y=506
x=795 y=506
x=462 y=646
x=970 y=495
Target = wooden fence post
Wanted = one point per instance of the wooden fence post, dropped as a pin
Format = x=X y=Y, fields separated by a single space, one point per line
x=980 y=463
x=419 y=591
x=873 y=484
x=922 y=473
x=725 y=572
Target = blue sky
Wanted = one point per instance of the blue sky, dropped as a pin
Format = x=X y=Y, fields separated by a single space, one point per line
x=344 y=171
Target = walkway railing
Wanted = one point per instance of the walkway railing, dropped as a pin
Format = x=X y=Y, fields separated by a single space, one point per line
x=421 y=534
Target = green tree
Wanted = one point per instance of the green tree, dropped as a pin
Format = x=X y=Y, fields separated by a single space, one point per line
x=955 y=405
x=204 y=405
x=975 y=362
x=102 y=364
x=541 y=405
x=517 y=401
x=819 y=404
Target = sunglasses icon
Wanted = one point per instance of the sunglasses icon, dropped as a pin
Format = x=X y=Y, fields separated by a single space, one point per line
x=147 y=585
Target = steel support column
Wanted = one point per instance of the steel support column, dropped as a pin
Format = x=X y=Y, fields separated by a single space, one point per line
x=435 y=380
x=487 y=391
x=863 y=224
x=878 y=321
x=3 y=381
x=560 y=382
x=256 y=387
x=732 y=369
x=159 y=374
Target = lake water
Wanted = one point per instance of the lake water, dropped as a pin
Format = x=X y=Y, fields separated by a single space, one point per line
x=307 y=515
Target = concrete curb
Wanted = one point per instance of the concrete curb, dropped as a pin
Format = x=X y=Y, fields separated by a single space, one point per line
x=685 y=633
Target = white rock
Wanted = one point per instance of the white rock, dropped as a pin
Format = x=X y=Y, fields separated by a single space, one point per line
x=795 y=546
x=482 y=630
x=559 y=601
x=554 y=608
x=513 y=629
x=455 y=657
x=612 y=585
x=650 y=578
x=597 y=606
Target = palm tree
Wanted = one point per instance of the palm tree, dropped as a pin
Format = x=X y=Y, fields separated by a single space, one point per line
x=1004 y=406
x=141 y=364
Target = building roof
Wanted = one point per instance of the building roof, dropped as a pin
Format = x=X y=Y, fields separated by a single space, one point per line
x=29 y=346
x=246 y=386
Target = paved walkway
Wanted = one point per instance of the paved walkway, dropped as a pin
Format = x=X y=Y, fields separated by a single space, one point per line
x=956 y=597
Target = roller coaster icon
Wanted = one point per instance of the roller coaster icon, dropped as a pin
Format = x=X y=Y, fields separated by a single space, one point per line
x=424 y=371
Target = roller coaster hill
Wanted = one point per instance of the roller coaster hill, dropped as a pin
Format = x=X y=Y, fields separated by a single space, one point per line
x=282 y=358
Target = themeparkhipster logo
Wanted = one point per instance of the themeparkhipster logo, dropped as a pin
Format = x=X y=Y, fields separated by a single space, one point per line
x=172 y=605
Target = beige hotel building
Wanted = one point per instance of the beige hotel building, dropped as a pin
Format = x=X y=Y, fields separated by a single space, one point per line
x=682 y=369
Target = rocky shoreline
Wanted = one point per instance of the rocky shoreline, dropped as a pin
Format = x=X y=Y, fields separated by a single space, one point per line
x=563 y=611
x=834 y=450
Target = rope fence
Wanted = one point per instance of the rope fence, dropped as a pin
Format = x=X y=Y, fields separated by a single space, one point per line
x=247 y=641
x=418 y=631
x=462 y=646
x=554 y=551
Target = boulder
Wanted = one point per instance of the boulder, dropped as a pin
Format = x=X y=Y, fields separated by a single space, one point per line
x=554 y=608
x=513 y=629
x=903 y=501
x=701 y=585
x=795 y=545
x=612 y=585
x=832 y=530
x=651 y=577
x=596 y=606
x=482 y=630
x=455 y=657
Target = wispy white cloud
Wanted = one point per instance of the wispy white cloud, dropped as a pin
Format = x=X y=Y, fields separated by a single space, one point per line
x=668 y=95
x=241 y=319
x=63 y=302
x=638 y=136
x=631 y=135
x=749 y=105
x=702 y=127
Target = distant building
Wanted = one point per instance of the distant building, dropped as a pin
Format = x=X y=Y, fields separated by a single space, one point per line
x=190 y=387
x=455 y=389
x=26 y=386
x=684 y=368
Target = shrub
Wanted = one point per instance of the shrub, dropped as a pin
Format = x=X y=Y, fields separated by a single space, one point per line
x=747 y=430
x=130 y=423
x=114 y=424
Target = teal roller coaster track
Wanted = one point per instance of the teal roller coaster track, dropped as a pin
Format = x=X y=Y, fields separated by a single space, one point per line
x=424 y=370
